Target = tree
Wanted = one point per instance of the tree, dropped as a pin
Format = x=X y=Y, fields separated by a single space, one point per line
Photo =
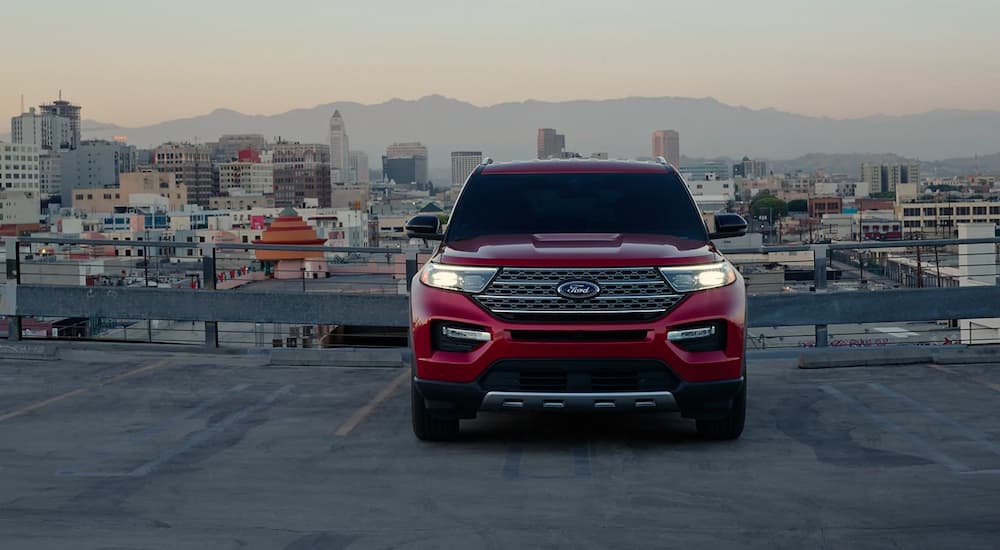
x=798 y=205
x=768 y=206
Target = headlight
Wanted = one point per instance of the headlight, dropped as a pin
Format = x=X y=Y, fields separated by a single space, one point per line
x=699 y=277
x=453 y=277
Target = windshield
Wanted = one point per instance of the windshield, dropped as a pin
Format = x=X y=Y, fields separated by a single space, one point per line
x=504 y=204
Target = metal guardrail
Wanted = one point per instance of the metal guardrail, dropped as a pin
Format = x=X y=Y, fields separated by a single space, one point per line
x=819 y=308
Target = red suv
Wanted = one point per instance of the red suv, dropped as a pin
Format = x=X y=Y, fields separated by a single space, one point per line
x=577 y=285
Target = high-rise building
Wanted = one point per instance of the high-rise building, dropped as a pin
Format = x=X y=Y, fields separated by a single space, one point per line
x=95 y=164
x=750 y=169
x=251 y=174
x=667 y=144
x=409 y=148
x=405 y=170
x=550 y=143
x=19 y=169
x=69 y=111
x=20 y=202
x=301 y=174
x=340 y=151
x=46 y=131
x=883 y=178
x=405 y=163
x=462 y=164
x=50 y=173
x=359 y=167
x=191 y=165
x=228 y=148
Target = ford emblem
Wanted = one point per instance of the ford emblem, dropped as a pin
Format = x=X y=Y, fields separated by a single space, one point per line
x=578 y=290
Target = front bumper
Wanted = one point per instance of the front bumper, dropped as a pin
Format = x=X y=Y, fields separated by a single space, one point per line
x=704 y=400
x=726 y=305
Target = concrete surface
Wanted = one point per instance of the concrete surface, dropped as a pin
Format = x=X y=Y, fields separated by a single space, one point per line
x=105 y=449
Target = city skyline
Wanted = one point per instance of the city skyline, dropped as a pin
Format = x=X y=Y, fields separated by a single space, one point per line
x=808 y=59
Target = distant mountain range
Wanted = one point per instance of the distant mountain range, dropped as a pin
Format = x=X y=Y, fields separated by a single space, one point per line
x=620 y=127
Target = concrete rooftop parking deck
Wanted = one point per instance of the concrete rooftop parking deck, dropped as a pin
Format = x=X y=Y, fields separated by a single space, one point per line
x=112 y=449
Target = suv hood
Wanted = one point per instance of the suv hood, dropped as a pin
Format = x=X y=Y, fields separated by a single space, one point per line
x=578 y=250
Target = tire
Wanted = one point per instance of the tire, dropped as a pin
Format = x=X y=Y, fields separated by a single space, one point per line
x=729 y=427
x=428 y=427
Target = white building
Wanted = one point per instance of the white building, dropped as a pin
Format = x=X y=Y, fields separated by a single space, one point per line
x=44 y=130
x=977 y=269
x=462 y=164
x=857 y=190
x=359 y=167
x=340 y=152
x=712 y=187
x=250 y=178
x=19 y=207
x=19 y=169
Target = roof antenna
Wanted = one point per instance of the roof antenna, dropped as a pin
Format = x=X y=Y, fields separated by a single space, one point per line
x=60 y=95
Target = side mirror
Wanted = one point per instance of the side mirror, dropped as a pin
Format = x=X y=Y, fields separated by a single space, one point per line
x=728 y=226
x=424 y=227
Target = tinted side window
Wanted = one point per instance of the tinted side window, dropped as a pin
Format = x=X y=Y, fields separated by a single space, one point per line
x=504 y=204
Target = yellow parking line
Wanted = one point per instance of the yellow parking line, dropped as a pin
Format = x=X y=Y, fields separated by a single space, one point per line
x=991 y=385
x=79 y=391
x=364 y=412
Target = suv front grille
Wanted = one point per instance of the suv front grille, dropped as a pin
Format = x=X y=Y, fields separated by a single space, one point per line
x=627 y=293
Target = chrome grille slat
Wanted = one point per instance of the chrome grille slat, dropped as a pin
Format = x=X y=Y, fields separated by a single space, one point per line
x=625 y=291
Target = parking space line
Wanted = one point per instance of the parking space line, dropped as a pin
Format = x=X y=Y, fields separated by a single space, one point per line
x=581 y=462
x=149 y=433
x=80 y=391
x=929 y=450
x=966 y=432
x=991 y=385
x=364 y=412
x=512 y=463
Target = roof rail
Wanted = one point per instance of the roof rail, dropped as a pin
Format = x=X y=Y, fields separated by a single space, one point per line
x=661 y=160
x=487 y=161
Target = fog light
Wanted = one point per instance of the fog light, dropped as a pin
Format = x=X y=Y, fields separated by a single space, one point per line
x=466 y=334
x=690 y=334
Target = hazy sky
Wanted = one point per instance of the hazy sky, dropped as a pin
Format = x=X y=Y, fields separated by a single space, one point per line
x=139 y=62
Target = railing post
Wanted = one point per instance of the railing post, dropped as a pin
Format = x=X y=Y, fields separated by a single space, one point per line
x=820 y=263
x=208 y=274
x=10 y=291
x=411 y=266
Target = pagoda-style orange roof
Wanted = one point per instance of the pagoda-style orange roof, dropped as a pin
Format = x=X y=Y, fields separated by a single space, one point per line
x=289 y=228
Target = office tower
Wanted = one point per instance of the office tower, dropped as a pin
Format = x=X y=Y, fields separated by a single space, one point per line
x=359 y=167
x=94 y=164
x=192 y=166
x=301 y=174
x=462 y=164
x=883 y=178
x=550 y=143
x=69 y=111
x=340 y=152
x=405 y=163
x=46 y=131
x=667 y=144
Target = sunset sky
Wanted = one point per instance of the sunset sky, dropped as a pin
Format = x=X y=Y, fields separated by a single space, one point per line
x=136 y=63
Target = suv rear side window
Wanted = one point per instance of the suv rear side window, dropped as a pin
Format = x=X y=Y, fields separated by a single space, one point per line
x=506 y=204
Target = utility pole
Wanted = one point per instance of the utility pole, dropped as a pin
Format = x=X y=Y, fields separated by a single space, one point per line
x=920 y=270
x=937 y=264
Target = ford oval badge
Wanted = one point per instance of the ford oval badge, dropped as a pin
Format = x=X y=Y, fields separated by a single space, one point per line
x=578 y=290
